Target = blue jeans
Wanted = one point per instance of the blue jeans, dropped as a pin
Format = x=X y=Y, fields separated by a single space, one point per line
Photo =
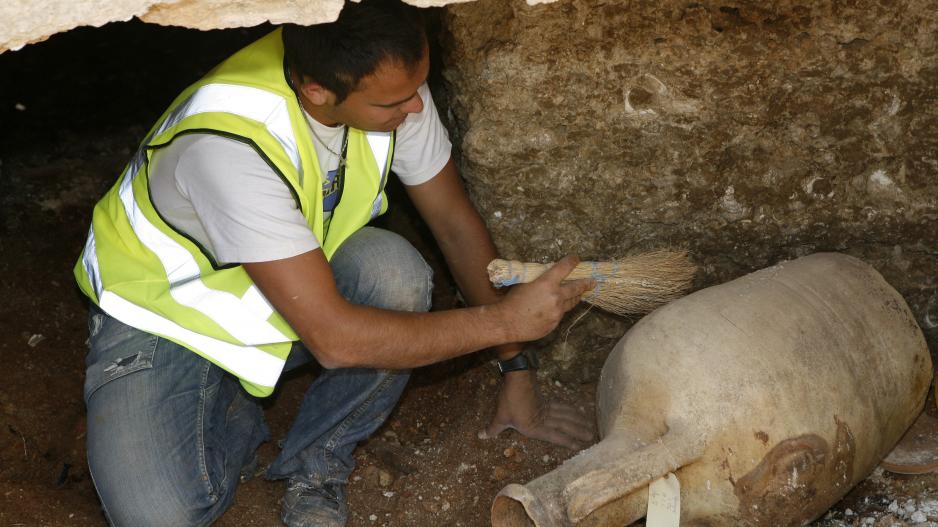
x=169 y=432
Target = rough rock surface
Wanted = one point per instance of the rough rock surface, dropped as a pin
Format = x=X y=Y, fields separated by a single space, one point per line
x=748 y=132
x=28 y=21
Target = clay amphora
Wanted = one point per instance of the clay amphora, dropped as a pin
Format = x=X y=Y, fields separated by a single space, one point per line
x=768 y=397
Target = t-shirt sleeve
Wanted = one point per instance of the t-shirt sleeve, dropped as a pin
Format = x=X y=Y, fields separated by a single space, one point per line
x=422 y=146
x=247 y=211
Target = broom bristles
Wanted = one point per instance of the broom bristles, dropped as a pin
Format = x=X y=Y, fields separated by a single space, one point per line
x=627 y=286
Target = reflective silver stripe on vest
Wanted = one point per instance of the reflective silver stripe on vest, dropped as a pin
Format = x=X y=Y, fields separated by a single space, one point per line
x=248 y=363
x=380 y=143
x=244 y=318
x=89 y=260
x=252 y=103
x=245 y=321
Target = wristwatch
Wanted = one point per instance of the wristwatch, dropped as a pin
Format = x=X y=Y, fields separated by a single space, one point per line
x=520 y=362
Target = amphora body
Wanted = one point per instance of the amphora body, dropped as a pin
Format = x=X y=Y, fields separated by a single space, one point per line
x=768 y=397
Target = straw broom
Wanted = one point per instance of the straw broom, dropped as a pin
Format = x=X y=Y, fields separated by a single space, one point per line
x=631 y=285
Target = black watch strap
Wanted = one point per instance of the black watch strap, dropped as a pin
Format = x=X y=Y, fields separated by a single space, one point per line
x=519 y=362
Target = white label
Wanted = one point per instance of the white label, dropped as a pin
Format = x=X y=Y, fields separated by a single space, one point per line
x=664 y=502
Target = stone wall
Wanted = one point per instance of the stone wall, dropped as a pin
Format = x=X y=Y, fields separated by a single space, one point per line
x=747 y=132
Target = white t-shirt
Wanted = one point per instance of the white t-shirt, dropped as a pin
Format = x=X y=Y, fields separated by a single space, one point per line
x=222 y=194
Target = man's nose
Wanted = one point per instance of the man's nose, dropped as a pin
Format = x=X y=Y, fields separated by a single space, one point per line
x=413 y=105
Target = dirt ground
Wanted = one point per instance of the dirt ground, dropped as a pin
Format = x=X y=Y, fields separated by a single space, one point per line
x=72 y=111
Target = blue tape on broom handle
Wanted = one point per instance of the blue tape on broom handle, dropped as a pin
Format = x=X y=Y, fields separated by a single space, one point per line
x=512 y=278
x=600 y=279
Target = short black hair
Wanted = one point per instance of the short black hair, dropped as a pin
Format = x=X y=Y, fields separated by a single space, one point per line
x=338 y=54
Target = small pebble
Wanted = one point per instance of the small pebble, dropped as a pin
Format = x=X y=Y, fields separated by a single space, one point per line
x=371 y=474
x=385 y=478
x=373 y=517
x=909 y=506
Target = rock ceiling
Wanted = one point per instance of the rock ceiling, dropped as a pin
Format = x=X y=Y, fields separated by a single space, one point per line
x=28 y=21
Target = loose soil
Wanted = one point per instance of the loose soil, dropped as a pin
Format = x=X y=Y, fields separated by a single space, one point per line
x=73 y=110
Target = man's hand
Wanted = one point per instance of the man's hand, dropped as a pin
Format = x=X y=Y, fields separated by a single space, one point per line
x=521 y=407
x=533 y=310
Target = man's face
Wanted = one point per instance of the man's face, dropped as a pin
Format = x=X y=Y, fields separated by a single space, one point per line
x=382 y=100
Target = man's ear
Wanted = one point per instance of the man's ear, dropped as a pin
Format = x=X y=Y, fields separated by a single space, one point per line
x=316 y=93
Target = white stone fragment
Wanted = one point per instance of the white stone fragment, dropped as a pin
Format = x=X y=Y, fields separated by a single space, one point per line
x=879 y=177
x=929 y=507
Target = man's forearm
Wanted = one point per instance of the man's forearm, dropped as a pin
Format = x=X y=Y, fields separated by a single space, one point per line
x=342 y=334
x=378 y=338
x=464 y=240
x=468 y=252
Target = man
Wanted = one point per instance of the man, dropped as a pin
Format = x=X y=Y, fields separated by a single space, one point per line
x=235 y=247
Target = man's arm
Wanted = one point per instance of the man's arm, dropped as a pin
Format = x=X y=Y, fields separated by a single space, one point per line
x=341 y=334
x=467 y=246
x=462 y=237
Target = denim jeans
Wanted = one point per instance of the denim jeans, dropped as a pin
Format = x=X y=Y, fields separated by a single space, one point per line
x=169 y=432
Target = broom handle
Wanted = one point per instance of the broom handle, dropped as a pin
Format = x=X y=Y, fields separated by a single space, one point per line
x=504 y=273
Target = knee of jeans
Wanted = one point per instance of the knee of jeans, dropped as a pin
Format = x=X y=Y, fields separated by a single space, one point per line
x=381 y=269
x=137 y=490
x=413 y=291
x=147 y=510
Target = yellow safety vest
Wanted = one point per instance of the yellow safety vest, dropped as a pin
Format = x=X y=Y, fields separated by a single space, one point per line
x=142 y=272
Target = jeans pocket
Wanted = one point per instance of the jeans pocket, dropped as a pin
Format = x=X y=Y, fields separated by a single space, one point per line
x=117 y=350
